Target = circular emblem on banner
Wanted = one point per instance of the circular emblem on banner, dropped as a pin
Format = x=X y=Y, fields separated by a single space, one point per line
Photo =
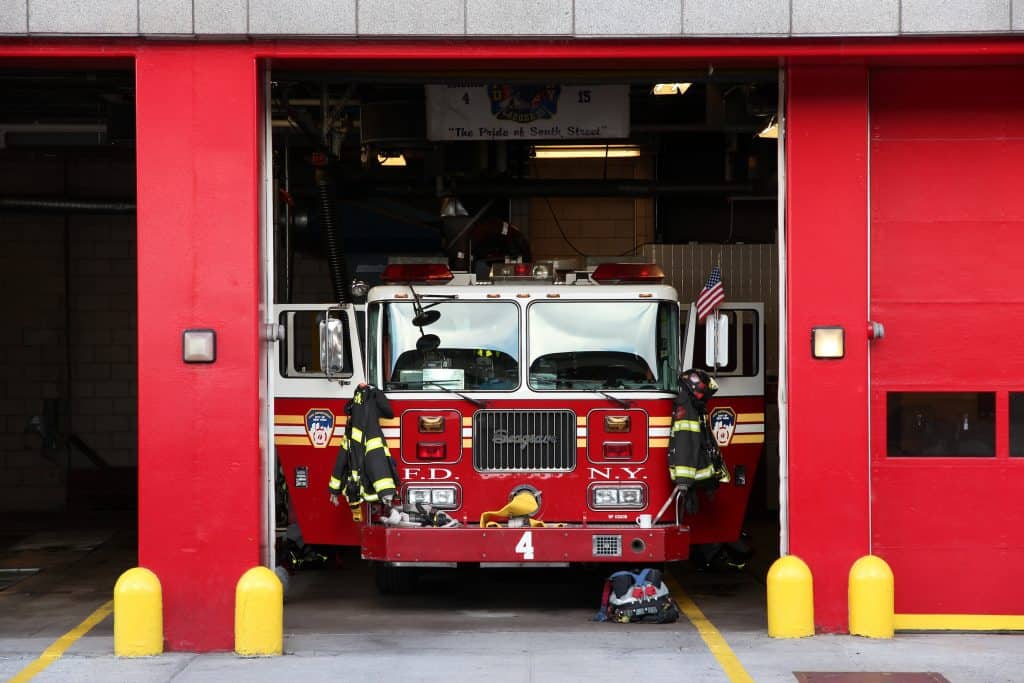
x=319 y=427
x=723 y=424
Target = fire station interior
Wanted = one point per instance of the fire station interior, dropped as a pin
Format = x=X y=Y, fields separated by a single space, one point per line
x=68 y=455
x=692 y=184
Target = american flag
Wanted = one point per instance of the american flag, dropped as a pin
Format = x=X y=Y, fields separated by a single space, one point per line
x=712 y=295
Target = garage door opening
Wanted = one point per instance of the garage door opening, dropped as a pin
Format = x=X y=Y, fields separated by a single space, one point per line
x=679 y=169
x=68 y=459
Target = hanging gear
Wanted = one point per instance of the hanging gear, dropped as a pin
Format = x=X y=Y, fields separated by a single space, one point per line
x=694 y=458
x=364 y=469
x=640 y=597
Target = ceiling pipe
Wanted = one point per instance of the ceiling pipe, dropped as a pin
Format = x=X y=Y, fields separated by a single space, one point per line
x=46 y=205
x=542 y=188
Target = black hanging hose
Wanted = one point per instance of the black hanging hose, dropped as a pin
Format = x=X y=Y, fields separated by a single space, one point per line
x=335 y=257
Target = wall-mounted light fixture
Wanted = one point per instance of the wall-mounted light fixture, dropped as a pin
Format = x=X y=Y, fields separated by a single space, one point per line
x=199 y=346
x=828 y=342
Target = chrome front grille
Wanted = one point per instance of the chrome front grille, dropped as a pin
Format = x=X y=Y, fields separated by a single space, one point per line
x=524 y=440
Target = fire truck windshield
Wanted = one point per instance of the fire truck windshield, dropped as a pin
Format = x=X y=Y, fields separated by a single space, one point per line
x=594 y=345
x=478 y=349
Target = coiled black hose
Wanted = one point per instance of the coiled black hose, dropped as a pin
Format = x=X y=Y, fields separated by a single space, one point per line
x=335 y=258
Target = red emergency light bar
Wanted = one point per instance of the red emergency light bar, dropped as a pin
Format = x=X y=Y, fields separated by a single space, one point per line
x=622 y=273
x=430 y=273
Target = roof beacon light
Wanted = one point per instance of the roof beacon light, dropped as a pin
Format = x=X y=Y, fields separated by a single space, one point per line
x=623 y=273
x=428 y=273
x=543 y=271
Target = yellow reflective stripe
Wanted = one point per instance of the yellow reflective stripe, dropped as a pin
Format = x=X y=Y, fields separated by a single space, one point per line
x=704 y=473
x=335 y=483
x=682 y=471
x=749 y=417
x=357 y=434
x=291 y=441
x=374 y=443
x=383 y=484
x=685 y=426
x=660 y=421
x=289 y=419
x=747 y=438
x=390 y=422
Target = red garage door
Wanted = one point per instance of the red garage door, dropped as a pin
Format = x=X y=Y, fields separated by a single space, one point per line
x=947 y=381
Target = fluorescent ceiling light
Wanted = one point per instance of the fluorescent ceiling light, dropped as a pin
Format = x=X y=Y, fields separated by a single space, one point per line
x=586 y=151
x=770 y=131
x=391 y=160
x=670 y=88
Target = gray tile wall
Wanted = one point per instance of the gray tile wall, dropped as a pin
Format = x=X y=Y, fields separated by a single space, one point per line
x=509 y=18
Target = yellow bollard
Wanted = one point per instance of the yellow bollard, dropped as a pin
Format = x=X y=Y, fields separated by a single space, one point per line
x=871 y=598
x=259 y=613
x=138 y=614
x=790 y=599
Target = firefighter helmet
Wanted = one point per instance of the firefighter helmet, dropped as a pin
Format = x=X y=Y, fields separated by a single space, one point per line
x=699 y=384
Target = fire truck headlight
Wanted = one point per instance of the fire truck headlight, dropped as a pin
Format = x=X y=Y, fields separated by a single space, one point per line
x=628 y=497
x=444 y=497
x=418 y=495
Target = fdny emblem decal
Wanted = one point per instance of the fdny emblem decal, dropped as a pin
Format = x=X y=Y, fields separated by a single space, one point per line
x=524 y=103
x=319 y=427
x=723 y=424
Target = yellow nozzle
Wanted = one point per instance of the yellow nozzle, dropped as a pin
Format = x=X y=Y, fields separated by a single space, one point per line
x=523 y=504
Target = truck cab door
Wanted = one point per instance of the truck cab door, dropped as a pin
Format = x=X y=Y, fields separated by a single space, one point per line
x=736 y=414
x=309 y=417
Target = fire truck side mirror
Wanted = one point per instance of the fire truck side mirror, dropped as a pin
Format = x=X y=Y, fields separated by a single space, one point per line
x=716 y=341
x=332 y=346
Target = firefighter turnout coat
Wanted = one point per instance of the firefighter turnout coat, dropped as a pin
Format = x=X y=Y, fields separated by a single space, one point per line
x=694 y=459
x=364 y=470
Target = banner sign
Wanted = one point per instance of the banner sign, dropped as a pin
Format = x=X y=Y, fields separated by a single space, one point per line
x=527 y=112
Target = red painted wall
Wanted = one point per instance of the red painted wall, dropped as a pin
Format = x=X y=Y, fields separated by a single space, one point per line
x=826 y=233
x=199 y=456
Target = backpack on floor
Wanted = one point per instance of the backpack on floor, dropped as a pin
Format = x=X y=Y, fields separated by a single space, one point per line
x=641 y=597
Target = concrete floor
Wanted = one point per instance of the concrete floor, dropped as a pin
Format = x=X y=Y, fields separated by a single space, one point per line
x=494 y=625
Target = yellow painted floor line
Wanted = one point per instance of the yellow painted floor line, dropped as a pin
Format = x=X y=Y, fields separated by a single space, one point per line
x=712 y=638
x=61 y=645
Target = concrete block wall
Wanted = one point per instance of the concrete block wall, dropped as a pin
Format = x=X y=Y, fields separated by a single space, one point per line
x=32 y=360
x=94 y=327
x=502 y=18
x=595 y=226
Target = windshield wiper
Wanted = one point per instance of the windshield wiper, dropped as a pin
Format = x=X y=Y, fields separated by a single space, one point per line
x=621 y=401
x=479 y=403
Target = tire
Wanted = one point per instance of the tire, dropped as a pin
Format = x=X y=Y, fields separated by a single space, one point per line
x=392 y=580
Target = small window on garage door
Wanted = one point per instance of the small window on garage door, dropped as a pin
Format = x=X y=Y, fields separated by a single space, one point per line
x=1016 y=424
x=940 y=424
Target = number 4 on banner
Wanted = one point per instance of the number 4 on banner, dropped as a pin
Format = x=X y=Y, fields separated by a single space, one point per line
x=525 y=545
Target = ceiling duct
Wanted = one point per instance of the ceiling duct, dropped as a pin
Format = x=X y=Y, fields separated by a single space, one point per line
x=393 y=122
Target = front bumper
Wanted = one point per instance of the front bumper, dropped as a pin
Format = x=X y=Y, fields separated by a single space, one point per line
x=548 y=545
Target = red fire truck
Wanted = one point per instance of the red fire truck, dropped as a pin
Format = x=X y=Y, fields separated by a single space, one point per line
x=557 y=385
